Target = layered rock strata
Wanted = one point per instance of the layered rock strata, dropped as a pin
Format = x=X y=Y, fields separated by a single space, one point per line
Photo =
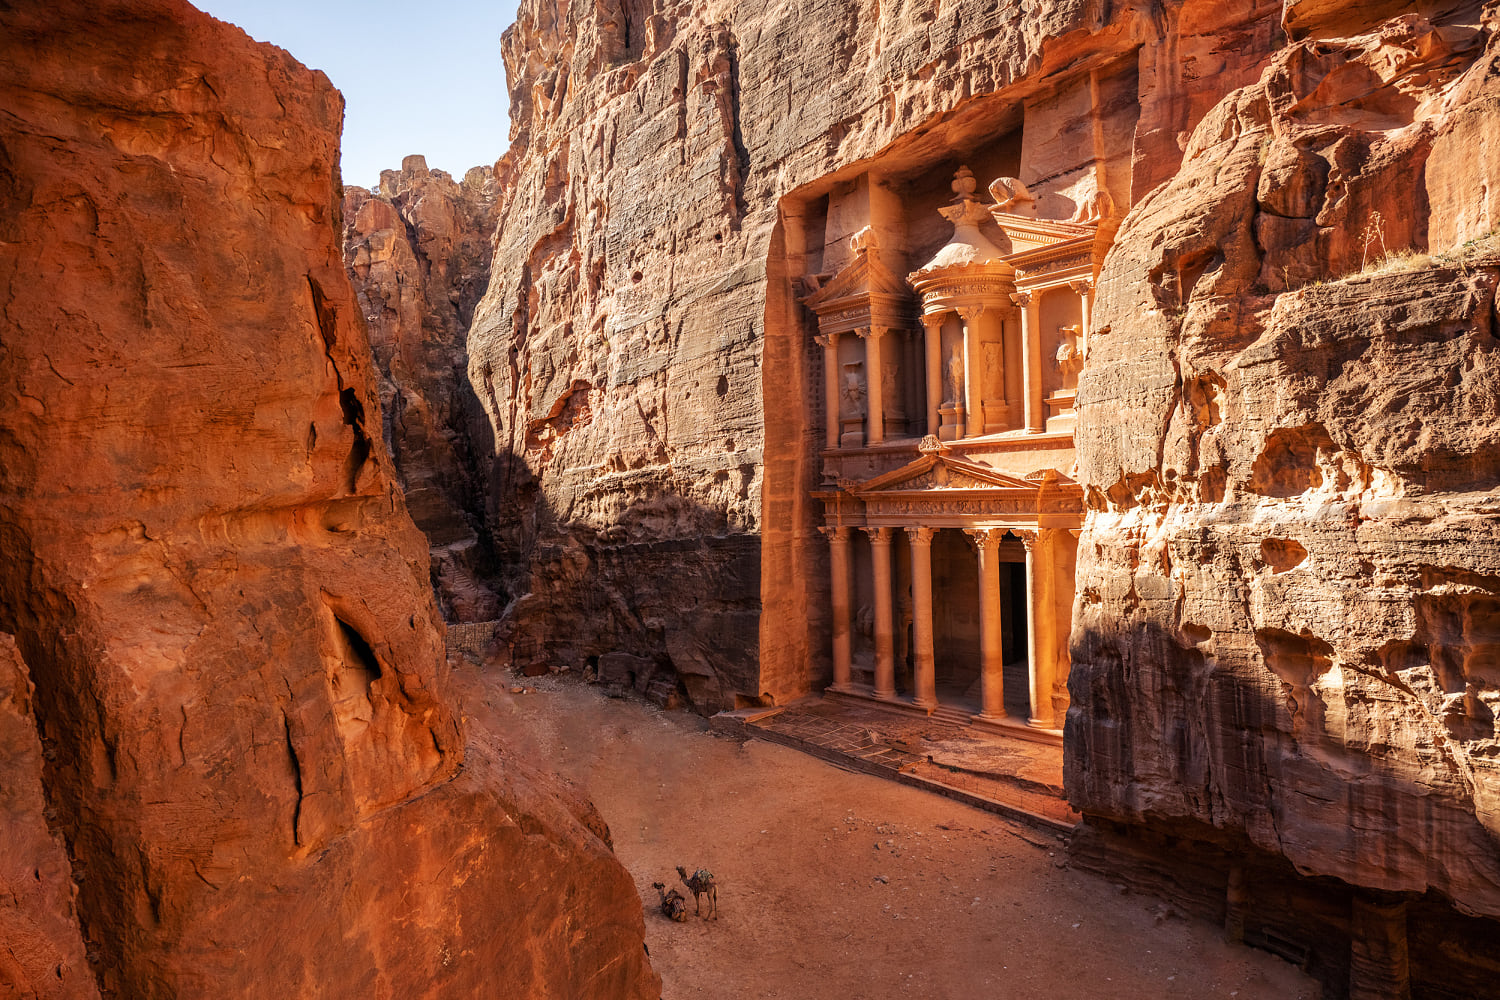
x=1284 y=635
x=640 y=352
x=251 y=766
x=418 y=254
x=1288 y=629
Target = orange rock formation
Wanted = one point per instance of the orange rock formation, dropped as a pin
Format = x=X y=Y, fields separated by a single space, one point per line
x=241 y=746
x=1282 y=646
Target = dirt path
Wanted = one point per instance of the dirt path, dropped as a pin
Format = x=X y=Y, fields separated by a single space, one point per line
x=840 y=886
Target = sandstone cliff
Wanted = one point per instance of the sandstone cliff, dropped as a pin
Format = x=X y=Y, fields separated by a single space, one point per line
x=418 y=253
x=1285 y=626
x=640 y=354
x=1289 y=429
x=250 y=754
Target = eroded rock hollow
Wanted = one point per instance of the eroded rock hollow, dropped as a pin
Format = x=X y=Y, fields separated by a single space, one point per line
x=232 y=762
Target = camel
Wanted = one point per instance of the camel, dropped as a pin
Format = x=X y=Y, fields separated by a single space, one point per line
x=673 y=904
x=702 y=884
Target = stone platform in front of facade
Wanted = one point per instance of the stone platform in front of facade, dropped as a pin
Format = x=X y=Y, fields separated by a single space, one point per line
x=1001 y=772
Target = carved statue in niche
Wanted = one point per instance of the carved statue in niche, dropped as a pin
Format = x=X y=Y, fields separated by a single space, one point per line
x=955 y=378
x=852 y=391
x=1069 y=358
x=992 y=363
x=890 y=391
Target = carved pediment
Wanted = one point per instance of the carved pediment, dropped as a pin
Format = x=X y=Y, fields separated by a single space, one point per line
x=863 y=278
x=1030 y=234
x=936 y=472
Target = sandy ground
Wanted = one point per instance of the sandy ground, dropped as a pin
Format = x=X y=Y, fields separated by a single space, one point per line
x=838 y=885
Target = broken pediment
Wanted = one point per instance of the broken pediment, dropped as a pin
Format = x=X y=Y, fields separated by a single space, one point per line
x=865 y=292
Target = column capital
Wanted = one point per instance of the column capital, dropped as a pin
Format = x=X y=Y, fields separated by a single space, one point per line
x=1082 y=286
x=869 y=332
x=826 y=339
x=919 y=534
x=968 y=313
x=986 y=537
x=1022 y=298
x=834 y=532
x=1029 y=537
x=879 y=535
x=934 y=320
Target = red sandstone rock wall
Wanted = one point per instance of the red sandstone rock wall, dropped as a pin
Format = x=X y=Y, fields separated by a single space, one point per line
x=251 y=755
x=1288 y=622
x=41 y=948
x=418 y=254
x=640 y=354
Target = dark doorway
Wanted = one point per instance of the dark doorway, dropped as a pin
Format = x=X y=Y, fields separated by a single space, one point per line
x=1013 y=643
x=955 y=614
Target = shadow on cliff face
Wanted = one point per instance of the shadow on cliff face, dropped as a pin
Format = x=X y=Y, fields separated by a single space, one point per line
x=1228 y=783
x=649 y=588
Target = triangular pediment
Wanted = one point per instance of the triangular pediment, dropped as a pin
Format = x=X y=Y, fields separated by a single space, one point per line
x=937 y=472
x=1027 y=234
x=864 y=276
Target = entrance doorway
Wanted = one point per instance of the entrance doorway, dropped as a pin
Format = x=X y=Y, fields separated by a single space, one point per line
x=955 y=613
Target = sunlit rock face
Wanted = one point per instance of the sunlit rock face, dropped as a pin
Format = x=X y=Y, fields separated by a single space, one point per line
x=1287 y=632
x=1284 y=636
x=418 y=254
x=641 y=354
x=251 y=765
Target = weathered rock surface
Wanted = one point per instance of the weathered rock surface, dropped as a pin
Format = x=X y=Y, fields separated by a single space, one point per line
x=1288 y=627
x=418 y=253
x=1289 y=584
x=41 y=948
x=640 y=353
x=251 y=753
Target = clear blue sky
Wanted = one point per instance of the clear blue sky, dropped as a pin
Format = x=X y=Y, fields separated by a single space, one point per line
x=423 y=77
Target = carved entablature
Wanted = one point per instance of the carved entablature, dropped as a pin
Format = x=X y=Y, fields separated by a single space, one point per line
x=863 y=295
x=943 y=490
x=1047 y=252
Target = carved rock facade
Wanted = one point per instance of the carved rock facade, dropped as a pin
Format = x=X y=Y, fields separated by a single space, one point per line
x=1289 y=577
x=720 y=231
x=251 y=763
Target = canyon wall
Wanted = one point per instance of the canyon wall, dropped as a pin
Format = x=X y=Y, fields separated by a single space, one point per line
x=230 y=758
x=418 y=254
x=640 y=353
x=1285 y=630
x=1287 y=637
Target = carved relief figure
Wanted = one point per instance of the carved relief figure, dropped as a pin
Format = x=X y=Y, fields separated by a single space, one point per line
x=1069 y=359
x=955 y=378
x=890 y=390
x=1011 y=195
x=852 y=391
x=992 y=366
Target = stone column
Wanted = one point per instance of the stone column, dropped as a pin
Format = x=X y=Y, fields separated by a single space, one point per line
x=992 y=660
x=1038 y=626
x=973 y=372
x=1031 y=367
x=874 y=385
x=934 y=326
x=1379 y=964
x=885 y=662
x=838 y=569
x=924 y=662
x=1084 y=287
x=830 y=342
